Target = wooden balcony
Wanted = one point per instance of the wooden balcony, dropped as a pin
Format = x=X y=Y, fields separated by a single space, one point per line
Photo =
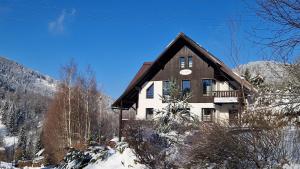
x=233 y=93
x=226 y=96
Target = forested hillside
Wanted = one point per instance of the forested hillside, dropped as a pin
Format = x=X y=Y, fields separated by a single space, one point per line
x=31 y=112
x=24 y=97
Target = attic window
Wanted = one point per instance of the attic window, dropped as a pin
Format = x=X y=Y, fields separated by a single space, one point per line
x=190 y=61
x=182 y=62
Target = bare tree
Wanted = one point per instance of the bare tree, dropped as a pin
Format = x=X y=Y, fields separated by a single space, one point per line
x=234 y=46
x=68 y=76
x=283 y=15
x=78 y=111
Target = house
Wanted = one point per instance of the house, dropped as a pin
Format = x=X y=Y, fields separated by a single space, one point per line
x=218 y=94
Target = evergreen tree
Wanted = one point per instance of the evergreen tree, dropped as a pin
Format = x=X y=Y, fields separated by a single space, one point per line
x=247 y=75
x=177 y=111
x=22 y=143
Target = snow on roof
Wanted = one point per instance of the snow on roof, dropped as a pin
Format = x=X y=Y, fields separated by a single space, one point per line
x=238 y=74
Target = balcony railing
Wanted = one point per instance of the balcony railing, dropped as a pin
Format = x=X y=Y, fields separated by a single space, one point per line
x=233 y=93
x=226 y=96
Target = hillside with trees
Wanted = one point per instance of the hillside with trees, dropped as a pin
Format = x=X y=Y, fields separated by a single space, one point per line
x=25 y=95
x=38 y=112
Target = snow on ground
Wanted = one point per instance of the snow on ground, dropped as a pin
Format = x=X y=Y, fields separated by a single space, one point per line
x=2 y=128
x=7 y=140
x=292 y=166
x=4 y=165
x=119 y=160
x=10 y=141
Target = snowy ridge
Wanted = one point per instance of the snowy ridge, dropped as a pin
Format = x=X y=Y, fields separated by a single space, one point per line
x=270 y=70
x=14 y=76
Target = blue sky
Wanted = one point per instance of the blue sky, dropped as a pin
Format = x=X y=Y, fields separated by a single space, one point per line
x=116 y=37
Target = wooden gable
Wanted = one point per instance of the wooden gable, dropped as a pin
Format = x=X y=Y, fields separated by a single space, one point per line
x=167 y=65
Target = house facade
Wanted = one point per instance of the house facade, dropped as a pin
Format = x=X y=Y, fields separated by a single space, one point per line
x=217 y=93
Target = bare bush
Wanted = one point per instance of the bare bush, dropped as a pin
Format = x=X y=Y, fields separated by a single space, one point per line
x=221 y=146
x=149 y=147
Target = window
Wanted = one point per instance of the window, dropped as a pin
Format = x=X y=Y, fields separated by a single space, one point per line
x=182 y=62
x=166 y=88
x=208 y=86
x=149 y=113
x=190 y=61
x=186 y=86
x=150 y=92
x=208 y=114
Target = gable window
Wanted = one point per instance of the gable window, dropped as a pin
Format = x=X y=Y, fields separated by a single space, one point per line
x=166 y=88
x=150 y=92
x=149 y=113
x=182 y=62
x=190 y=61
x=208 y=114
x=208 y=86
x=186 y=86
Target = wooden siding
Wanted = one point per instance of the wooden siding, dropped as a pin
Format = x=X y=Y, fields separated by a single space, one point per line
x=201 y=69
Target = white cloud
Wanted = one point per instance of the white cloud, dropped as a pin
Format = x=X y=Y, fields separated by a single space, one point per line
x=59 y=24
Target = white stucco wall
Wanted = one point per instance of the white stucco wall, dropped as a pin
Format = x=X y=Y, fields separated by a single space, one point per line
x=221 y=114
x=154 y=103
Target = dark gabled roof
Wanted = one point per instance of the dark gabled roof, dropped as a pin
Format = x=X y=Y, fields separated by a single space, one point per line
x=142 y=70
x=150 y=69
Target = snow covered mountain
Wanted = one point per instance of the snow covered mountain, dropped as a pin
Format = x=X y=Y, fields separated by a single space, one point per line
x=24 y=97
x=14 y=76
x=270 y=70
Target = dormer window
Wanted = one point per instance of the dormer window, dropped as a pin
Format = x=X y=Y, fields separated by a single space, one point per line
x=150 y=92
x=182 y=62
x=190 y=61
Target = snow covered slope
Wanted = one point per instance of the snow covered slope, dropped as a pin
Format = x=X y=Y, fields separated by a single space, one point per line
x=7 y=140
x=270 y=70
x=24 y=94
x=15 y=76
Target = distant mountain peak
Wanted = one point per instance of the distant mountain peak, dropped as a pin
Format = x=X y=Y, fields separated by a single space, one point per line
x=271 y=71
